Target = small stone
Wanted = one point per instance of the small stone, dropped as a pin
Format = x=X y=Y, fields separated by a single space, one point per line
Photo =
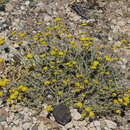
x=47 y=18
x=1 y=127
x=91 y=125
x=36 y=10
x=27 y=3
x=121 y=23
x=75 y=114
x=96 y=123
x=3 y=115
x=16 y=128
x=27 y=125
x=48 y=123
x=111 y=124
x=62 y=114
x=9 y=7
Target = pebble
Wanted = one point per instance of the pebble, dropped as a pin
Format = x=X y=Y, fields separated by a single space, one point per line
x=110 y=124
x=75 y=114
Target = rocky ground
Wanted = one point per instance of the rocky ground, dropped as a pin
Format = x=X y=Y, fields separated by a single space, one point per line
x=108 y=21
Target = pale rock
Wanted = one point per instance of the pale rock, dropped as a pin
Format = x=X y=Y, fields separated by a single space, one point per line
x=75 y=114
x=9 y=7
x=27 y=125
x=110 y=124
x=96 y=123
x=121 y=22
x=91 y=125
x=47 y=18
x=69 y=125
x=16 y=128
x=27 y=3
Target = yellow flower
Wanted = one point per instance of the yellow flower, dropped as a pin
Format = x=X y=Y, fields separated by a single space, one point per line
x=43 y=55
x=83 y=95
x=52 y=63
x=60 y=71
x=19 y=98
x=114 y=94
x=88 y=109
x=107 y=58
x=1 y=93
x=29 y=56
x=86 y=81
x=14 y=32
x=52 y=67
x=39 y=23
x=64 y=82
x=93 y=67
x=117 y=45
x=49 y=108
x=107 y=73
x=45 y=68
x=128 y=47
x=77 y=90
x=72 y=42
x=38 y=75
x=21 y=35
x=95 y=63
x=83 y=115
x=124 y=41
x=44 y=43
x=20 y=87
x=16 y=93
x=4 y=82
x=77 y=84
x=74 y=62
x=69 y=36
x=79 y=104
x=12 y=96
x=84 y=24
x=53 y=80
x=60 y=53
x=58 y=19
x=98 y=58
x=1 y=42
x=120 y=100
x=118 y=111
x=42 y=39
x=8 y=100
x=59 y=93
x=46 y=83
x=24 y=88
x=1 y=60
x=52 y=53
x=115 y=58
x=91 y=114
x=115 y=101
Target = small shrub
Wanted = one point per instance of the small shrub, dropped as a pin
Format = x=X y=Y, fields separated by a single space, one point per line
x=60 y=69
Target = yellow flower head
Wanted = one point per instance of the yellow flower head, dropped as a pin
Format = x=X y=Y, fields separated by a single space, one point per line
x=1 y=60
x=46 y=83
x=87 y=109
x=91 y=114
x=45 y=68
x=29 y=56
x=79 y=104
x=49 y=108
x=61 y=53
x=52 y=53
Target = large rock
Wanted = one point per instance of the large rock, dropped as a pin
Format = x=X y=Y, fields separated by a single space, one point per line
x=62 y=114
